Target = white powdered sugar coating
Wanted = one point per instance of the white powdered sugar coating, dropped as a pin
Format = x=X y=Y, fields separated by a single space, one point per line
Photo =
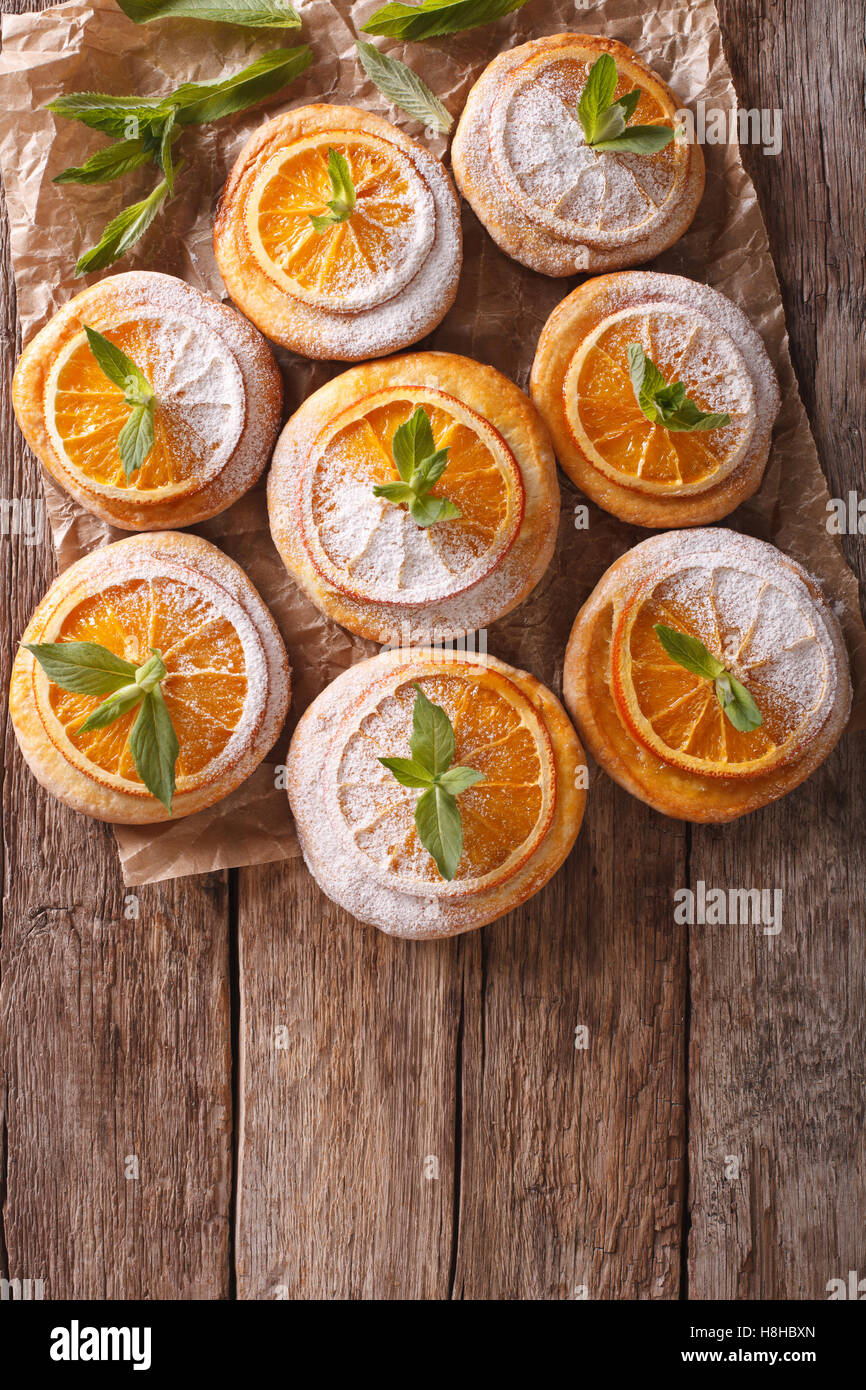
x=540 y=152
x=212 y=587
x=758 y=612
x=217 y=374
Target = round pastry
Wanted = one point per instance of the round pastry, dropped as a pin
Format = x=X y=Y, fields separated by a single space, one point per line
x=361 y=556
x=171 y=607
x=504 y=747
x=216 y=410
x=606 y=374
x=338 y=235
x=548 y=198
x=707 y=674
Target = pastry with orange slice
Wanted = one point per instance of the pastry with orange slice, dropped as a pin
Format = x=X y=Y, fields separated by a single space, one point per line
x=151 y=680
x=433 y=795
x=567 y=150
x=659 y=396
x=338 y=235
x=149 y=402
x=707 y=674
x=415 y=498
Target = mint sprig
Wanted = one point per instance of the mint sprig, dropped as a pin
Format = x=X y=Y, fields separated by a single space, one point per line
x=88 y=668
x=420 y=465
x=437 y=814
x=145 y=130
x=605 y=120
x=433 y=18
x=136 y=439
x=664 y=404
x=256 y=14
x=343 y=199
x=735 y=700
x=404 y=88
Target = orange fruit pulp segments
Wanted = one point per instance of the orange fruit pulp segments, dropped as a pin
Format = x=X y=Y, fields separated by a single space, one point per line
x=204 y=687
x=683 y=708
x=498 y=815
x=362 y=453
x=349 y=252
x=90 y=412
x=617 y=427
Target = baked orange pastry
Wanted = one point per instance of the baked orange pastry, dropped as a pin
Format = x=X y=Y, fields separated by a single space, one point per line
x=190 y=371
x=150 y=682
x=566 y=151
x=707 y=674
x=434 y=795
x=338 y=235
x=659 y=396
x=415 y=497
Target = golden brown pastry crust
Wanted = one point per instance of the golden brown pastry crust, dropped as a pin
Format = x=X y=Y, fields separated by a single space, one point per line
x=307 y=328
x=587 y=692
x=527 y=239
x=395 y=911
x=169 y=553
x=569 y=324
x=104 y=305
x=491 y=396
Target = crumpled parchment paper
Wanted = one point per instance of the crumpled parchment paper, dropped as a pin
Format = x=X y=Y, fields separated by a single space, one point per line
x=500 y=310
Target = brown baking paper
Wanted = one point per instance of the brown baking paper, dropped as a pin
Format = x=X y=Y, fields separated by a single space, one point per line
x=500 y=310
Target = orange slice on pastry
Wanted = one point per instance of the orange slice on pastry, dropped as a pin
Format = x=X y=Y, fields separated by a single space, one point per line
x=218 y=396
x=550 y=200
x=226 y=686
x=357 y=823
x=633 y=465
x=364 y=559
x=376 y=279
x=658 y=727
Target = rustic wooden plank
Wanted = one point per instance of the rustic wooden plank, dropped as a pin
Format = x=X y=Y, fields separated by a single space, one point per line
x=777 y=1023
x=349 y=1055
x=114 y=1030
x=573 y=1144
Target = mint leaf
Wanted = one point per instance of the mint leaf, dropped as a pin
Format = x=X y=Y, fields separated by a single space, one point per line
x=420 y=465
x=123 y=117
x=432 y=741
x=408 y=772
x=433 y=18
x=437 y=815
x=123 y=231
x=732 y=695
x=738 y=704
x=110 y=163
x=663 y=404
x=154 y=747
x=200 y=102
x=440 y=829
x=85 y=668
x=256 y=14
x=404 y=88
x=689 y=652
x=342 y=202
x=459 y=779
x=604 y=119
x=120 y=703
x=136 y=439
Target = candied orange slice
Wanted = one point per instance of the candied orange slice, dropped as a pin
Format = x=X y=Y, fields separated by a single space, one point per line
x=608 y=425
x=761 y=628
x=560 y=183
x=208 y=647
x=355 y=264
x=199 y=414
x=369 y=548
x=496 y=730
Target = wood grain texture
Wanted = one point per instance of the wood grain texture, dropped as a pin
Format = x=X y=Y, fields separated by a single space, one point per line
x=114 y=1032
x=777 y=1034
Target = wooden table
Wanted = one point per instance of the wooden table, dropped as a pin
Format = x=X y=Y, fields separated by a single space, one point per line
x=240 y=1092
